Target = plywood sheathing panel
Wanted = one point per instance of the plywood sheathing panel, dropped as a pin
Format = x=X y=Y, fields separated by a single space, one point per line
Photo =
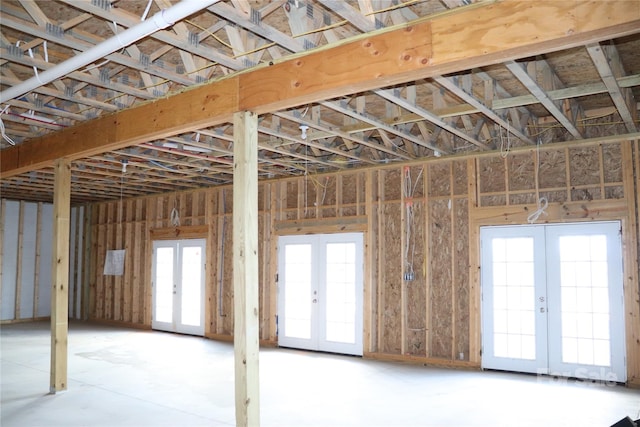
x=392 y=184
x=350 y=190
x=584 y=166
x=521 y=171
x=416 y=309
x=461 y=278
x=460 y=184
x=612 y=161
x=492 y=174
x=391 y=278
x=552 y=169
x=440 y=179
x=441 y=278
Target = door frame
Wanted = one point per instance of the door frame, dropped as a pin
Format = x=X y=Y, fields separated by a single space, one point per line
x=316 y=343
x=176 y=326
x=619 y=321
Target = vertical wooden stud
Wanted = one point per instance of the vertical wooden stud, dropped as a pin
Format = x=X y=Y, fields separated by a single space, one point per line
x=474 y=265
x=245 y=268
x=60 y=275
x=630 y=263
x=368 y=290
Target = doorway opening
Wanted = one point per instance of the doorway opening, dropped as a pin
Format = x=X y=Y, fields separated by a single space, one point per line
x=320 y=288
x=552 y=300
x=178 y=283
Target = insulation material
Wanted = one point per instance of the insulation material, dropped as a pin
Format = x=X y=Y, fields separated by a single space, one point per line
x=392 y=184
x=584 y=167
x=416 y=309
x=460 y=182
x=492 y=175
x=461 y=277
x=612 y=161
x=521 y=171
x=440 y=179
x=552 y=169
x=391 y=276
x=441 y=280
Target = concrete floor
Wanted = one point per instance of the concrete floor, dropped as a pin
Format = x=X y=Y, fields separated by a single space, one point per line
x=123 y=377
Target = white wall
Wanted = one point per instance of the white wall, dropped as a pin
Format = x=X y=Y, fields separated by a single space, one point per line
x=32 y=265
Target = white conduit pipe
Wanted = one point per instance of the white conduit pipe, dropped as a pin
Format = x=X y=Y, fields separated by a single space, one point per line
x=159 y=21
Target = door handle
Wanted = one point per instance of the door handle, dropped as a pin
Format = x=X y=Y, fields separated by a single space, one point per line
x=314 y=300
x=542 y=310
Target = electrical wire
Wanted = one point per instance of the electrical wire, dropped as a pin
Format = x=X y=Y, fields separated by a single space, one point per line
x=542 y=201
x=2 y=128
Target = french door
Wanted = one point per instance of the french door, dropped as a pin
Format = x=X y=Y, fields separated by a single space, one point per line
x=320 y=292
x=178 y=286
x=552 y=300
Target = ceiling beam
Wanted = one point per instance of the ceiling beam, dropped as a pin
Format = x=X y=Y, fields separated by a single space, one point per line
x=531 y=85
x=621 y=98
x=429 y=47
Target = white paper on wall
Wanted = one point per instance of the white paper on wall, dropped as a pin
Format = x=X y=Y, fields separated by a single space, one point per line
x=114 y=263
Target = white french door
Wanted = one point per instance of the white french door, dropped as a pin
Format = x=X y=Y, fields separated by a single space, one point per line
x=552 y=300
x=178 y=286
x=320 y=292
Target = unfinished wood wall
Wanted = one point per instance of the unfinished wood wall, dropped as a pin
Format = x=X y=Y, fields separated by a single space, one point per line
x=421 y=225
x=26 y=231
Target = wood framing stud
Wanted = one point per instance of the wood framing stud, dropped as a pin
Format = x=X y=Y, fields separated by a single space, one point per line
x=245 y=268
x=60 y=275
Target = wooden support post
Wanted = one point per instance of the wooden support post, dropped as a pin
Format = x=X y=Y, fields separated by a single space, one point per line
x=245 y=267
x=60 y=274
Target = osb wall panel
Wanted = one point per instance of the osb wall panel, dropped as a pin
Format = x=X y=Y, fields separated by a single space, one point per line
x=416 y=326
x=429 y=317
x=584 y=165
x=461 y=278
x=390 y=292
x=441 y=278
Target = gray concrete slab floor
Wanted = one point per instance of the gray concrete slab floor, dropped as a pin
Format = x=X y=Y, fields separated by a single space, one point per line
x=126 y=377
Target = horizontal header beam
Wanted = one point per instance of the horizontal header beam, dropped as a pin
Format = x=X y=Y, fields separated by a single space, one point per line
x=468 y=37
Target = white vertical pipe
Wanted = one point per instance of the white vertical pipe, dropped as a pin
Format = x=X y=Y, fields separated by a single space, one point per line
x=159 y=21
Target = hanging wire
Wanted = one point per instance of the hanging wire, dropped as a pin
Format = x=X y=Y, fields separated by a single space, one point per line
x=2 y=128
x=505 y=152
x=542 y=201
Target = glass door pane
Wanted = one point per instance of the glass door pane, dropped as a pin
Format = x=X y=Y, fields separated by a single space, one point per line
x=178 y=286
x=191 y=286
x=163 y=286
x=297 y=291
x=585 y=284
x=513 y=299
x=340 y=296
